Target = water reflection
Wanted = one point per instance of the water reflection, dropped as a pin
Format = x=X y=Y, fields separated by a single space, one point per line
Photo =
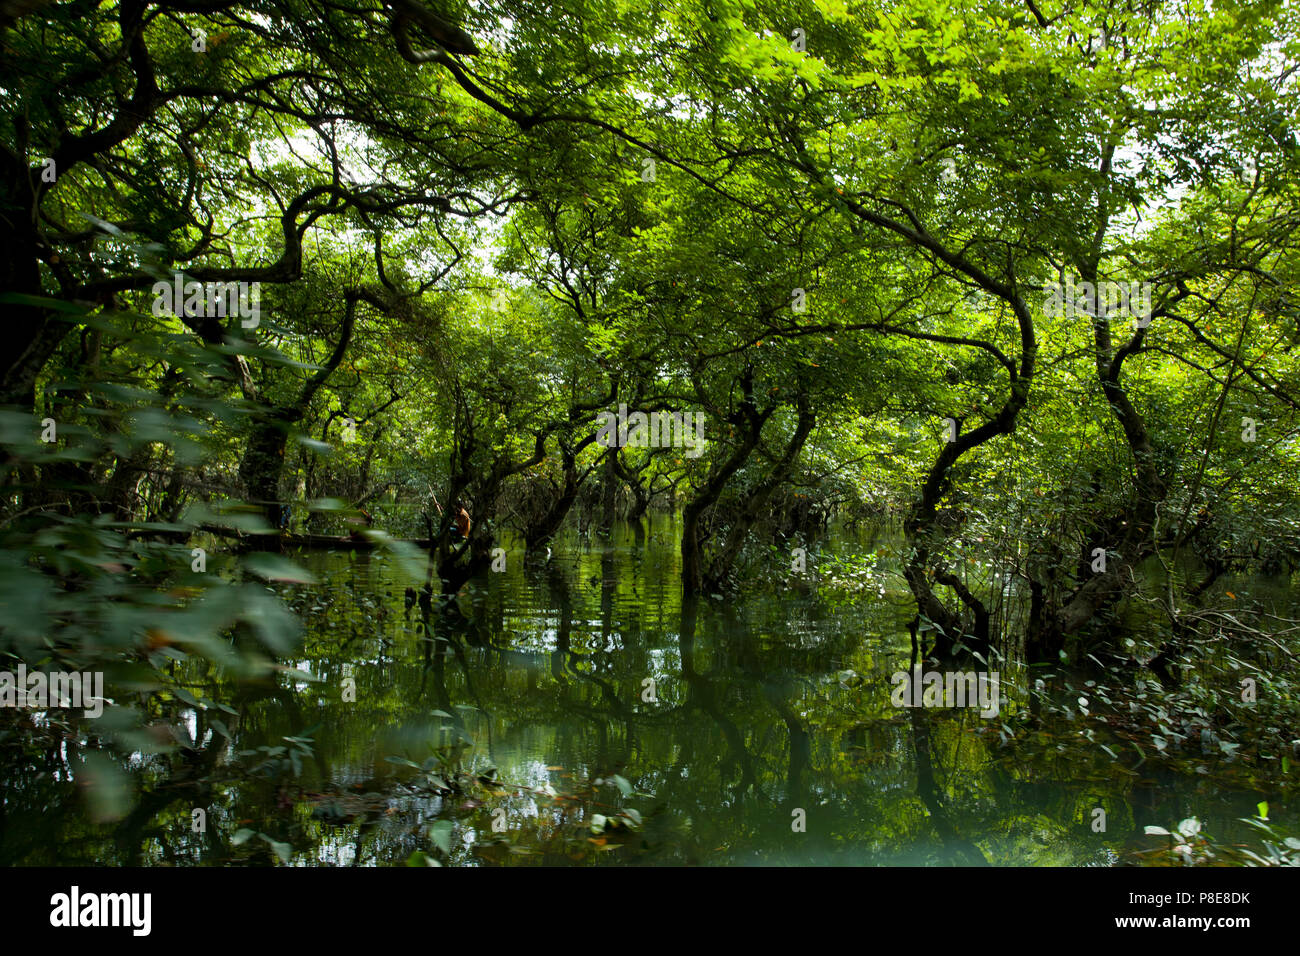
x=566 y=691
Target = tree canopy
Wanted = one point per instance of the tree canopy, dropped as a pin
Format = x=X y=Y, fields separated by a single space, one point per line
x=1018 y=276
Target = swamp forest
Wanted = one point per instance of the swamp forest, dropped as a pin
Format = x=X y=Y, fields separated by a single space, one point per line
x=650 y=432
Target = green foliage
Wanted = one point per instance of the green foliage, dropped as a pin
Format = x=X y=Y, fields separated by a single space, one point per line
x=830 y=229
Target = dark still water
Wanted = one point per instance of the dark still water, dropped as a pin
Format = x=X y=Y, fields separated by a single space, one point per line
x=576 y=712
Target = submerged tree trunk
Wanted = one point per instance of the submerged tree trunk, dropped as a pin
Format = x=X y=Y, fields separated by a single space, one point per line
x=1127 y=537
x=753 y=503
x=750 y=420
x=922 y=528
x=544 y=528
x=609 y=493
